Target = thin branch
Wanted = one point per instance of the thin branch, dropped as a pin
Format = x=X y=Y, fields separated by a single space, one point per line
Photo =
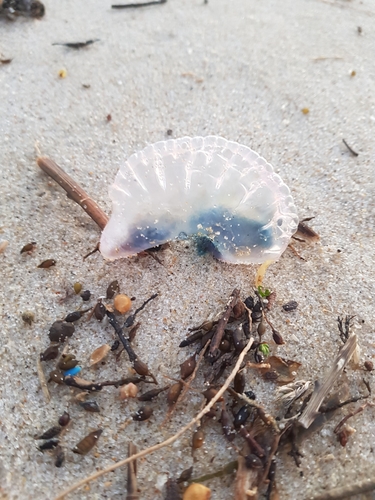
x=134 y=5
x=170 y=440
x=338 y=427
x=348 y=491
x=354 y=153
x=73 y=190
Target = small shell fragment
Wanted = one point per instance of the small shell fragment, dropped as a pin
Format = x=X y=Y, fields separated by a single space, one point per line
x=128 y=391
x=99 y=354
x=219 y=192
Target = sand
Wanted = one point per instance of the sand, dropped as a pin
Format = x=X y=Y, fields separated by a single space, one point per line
x=243 y=70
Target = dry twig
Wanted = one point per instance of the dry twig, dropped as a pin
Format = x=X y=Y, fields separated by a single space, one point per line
x=73 y=190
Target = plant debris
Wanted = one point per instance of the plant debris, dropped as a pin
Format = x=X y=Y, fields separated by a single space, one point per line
x=28 y=8
x=77 y=45
x=255 y=435
x=46 y=264
x=347 y=145
x=135 y=5
x=88 y=442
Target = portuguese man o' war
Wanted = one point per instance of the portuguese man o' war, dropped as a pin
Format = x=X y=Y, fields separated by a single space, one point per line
x=218 y=192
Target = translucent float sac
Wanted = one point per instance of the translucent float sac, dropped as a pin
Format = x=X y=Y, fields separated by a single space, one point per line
x=218 y=192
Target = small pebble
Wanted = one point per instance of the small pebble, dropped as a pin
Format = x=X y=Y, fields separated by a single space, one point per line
x=64 y=419
x=290 y=306
x=60 y=330
x=143 y=413
x=50 y=353
x=91 y=406
x=369 y=365
x=85 y=296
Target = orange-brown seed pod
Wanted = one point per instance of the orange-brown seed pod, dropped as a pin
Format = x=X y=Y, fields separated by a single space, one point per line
x=141 y=368
x=211 y=393
x=187 y=367
x=99 y=354
x=198 y=439
x=197 y=491
x=122 y=303
x=174 y=393
x=87 y=443
x=238 y=309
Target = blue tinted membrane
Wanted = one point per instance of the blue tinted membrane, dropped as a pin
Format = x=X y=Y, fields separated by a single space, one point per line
x=215 y=231
x=142 y=237
x=229 y=232
x=205 y=246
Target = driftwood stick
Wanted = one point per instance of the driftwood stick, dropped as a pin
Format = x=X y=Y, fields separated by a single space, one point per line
x=73 y=190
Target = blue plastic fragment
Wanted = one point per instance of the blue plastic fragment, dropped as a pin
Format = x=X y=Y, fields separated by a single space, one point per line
x=72 y=371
